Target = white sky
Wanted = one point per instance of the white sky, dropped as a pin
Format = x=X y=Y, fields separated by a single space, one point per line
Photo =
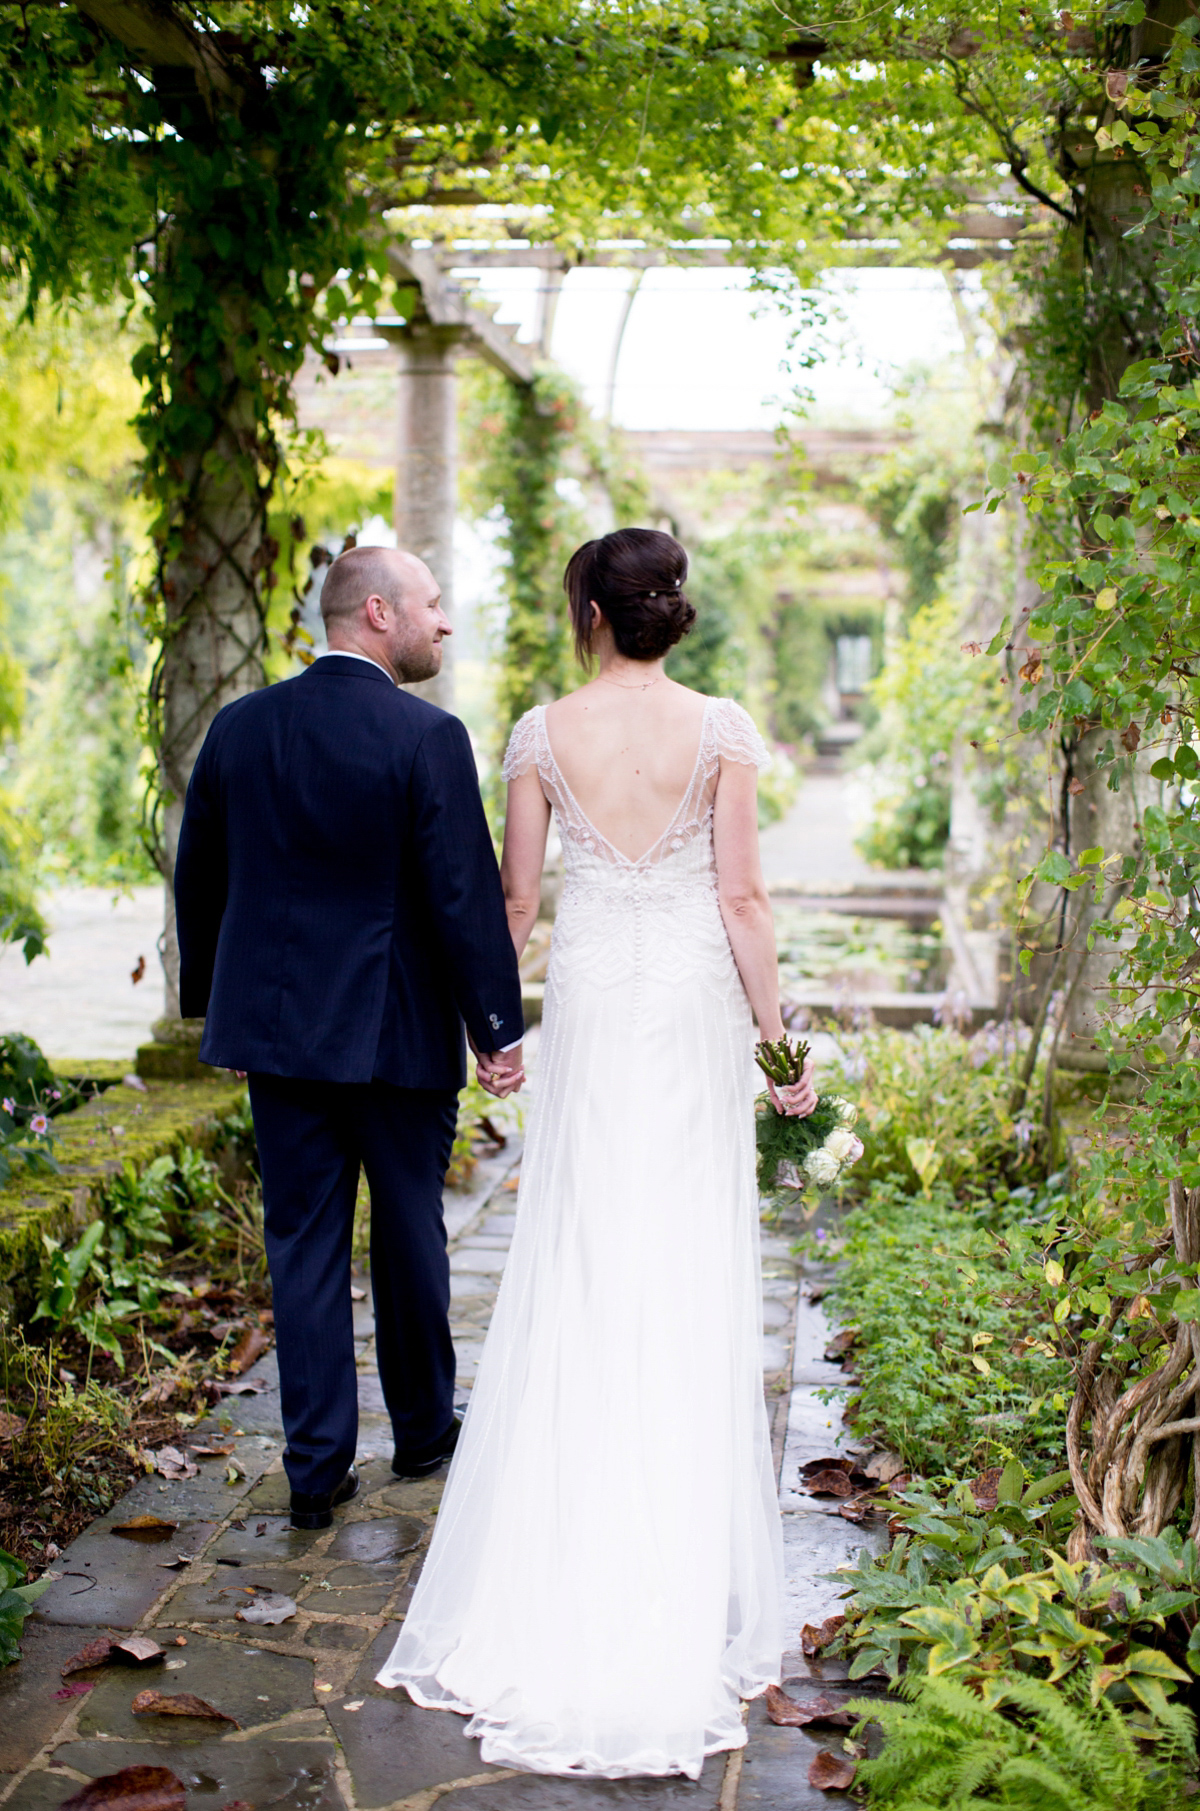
x=701 y=351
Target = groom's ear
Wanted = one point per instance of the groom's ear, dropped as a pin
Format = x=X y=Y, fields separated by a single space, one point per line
x=377 y=609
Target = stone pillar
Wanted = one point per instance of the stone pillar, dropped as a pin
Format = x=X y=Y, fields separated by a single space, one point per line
x=426 y=477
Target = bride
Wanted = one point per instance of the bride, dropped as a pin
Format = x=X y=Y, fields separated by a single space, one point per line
x=604 y=1582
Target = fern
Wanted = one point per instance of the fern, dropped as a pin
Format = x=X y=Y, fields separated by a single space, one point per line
x=1018 y=1743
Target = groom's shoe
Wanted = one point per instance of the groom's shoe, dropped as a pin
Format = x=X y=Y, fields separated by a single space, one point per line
x=427 y=1459
x=316 y=1511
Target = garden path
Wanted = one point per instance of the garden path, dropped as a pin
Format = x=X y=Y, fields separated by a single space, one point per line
x=79 y=1000
x=312 y=1728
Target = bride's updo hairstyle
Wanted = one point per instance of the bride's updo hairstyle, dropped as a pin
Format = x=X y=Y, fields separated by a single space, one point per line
x=635 y=576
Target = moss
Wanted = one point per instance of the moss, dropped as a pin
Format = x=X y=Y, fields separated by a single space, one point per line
x=91 y=1144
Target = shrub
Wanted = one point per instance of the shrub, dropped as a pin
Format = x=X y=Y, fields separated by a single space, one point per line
x=951 y=1357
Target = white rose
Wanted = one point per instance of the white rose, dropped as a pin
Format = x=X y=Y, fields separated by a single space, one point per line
x=840 y=1143
x=847 y=1112
x=822 y=1168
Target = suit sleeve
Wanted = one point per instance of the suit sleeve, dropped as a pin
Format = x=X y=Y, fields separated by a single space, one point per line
x=458 y=866
x=201 y=872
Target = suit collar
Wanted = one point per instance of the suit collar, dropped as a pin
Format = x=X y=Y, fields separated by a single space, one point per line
x=354 y=665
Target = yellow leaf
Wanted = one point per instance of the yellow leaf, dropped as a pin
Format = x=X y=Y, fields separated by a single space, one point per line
x=1054 y=1273
x=1106 y=599
x=981 y=1365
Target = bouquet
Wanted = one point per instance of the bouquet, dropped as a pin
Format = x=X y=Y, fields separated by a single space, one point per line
x=800 y=1153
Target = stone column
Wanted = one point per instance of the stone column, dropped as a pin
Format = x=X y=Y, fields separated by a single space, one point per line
x=426 y=478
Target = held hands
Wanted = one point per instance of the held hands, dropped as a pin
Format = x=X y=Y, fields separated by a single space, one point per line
x=501 y=1072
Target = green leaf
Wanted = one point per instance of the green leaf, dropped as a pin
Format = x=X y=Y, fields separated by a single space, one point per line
x=999 y=638
x=1187 y=762
x=1053 y=868
x=999 y=473
x=1012 y=1482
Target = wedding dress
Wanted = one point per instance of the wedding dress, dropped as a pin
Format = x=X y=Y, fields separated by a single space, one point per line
x=605 y=1578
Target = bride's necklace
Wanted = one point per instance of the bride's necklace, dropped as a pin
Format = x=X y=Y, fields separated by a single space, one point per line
x=640 y=686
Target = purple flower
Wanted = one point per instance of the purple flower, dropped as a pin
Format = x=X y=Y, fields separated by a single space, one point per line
x=10 y=1106
x=39 y=1123
x=821 y=1233
x=54 y=1094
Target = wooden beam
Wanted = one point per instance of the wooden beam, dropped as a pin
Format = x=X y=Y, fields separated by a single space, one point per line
x=163 y=38
x=446 y=305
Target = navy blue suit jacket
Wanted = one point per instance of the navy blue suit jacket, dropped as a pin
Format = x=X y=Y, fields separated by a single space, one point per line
x=338 y=905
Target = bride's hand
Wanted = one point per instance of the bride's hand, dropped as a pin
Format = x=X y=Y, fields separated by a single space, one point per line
x=799 y=1099
x=501 y=1073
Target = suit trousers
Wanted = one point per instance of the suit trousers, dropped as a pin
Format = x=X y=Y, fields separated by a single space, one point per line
x=313 y=1138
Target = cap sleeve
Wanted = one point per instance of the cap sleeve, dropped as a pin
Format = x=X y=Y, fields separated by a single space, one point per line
x=521 y=753
x=736 y=737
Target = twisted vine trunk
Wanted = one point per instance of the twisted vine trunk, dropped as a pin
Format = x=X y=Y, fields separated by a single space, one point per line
x=213 y=557
x=1131 y=1468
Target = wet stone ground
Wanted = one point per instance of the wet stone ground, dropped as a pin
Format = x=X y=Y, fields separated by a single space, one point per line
x=310 y=1728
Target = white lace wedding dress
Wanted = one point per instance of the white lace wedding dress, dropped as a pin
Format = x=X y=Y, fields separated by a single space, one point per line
x=605 y=1578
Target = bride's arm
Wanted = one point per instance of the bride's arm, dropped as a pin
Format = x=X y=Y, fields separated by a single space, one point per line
x=742 y=891
x=746 y=909
x=526 y=823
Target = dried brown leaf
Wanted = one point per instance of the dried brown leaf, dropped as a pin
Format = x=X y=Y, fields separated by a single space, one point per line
x=857 y=1510
x=985 y=1488
x=138 y=1788
x=138 y=1647
x=813 y=1639
x=829 y=1484
x=220 y=1450
x=1130 y=738
x=841 y=1343
x=250 y=1346
x=92 y=1653
x=76 y=1690
x=790 y=1715
x=1075 y=788
x=177 y=1704
x=169 y=1462
x=10 y=1424
x=242 y=1386
x=831 y=1772
x=883 y=1467
x=146 y=1528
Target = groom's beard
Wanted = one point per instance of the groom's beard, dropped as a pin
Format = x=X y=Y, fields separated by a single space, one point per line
x=415 y=663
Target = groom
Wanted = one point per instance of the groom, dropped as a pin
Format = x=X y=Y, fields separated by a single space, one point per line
x=340 y=915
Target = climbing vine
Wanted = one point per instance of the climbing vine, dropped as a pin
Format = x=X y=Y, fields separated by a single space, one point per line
x=538 y=454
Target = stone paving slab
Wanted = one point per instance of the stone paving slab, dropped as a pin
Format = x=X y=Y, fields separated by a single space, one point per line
x=315 y=1730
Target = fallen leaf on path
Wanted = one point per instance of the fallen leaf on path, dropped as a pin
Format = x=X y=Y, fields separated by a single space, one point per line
x=813 y=1638
x=237 y=1386
x=177 y=1704
x=169 y=1462
x=132 y=1789
x=355 y=1704
x=857 y=1510
x=180 y=1560
x=221 y=1451
x=790 y=1715
x=841 y=1343
x=96 y=1653
x=146 y=1528
x=357 y=1294
x=72 y=1691
x=237 y=1804
x=250 y=1346
x=267 y=1607
x=831 y=1772
x=829 y=1484
x=883 y=1467
x=93 y=1653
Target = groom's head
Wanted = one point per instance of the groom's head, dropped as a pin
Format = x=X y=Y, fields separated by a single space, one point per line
x=385 y=603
